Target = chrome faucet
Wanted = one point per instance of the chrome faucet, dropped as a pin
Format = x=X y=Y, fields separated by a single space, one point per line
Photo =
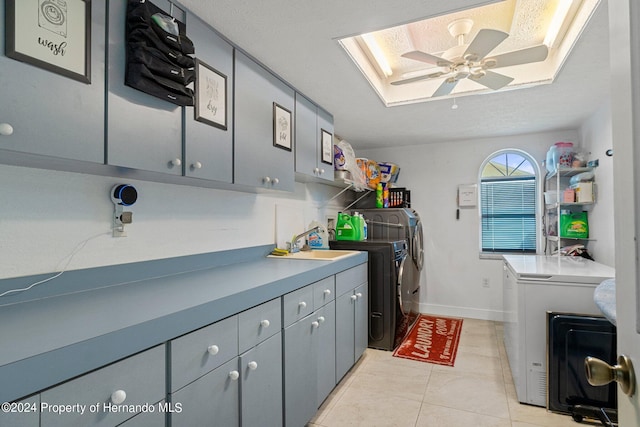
x=293 y=247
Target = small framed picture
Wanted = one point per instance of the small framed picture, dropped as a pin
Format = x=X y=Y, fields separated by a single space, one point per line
x=281 y=127
x=326 y=146
x=54 y=35
x=211 y=96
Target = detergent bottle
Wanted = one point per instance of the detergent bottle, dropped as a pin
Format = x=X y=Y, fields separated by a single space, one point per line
x=344 y=227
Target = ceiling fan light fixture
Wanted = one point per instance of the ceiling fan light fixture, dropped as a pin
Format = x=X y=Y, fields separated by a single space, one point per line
x=489 y=63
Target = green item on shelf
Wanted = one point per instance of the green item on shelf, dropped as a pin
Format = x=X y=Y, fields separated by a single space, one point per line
x=574 y=225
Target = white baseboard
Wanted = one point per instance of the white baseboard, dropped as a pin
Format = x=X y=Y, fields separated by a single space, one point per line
x=466 y=312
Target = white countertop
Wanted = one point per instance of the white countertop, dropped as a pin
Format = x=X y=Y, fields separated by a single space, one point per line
x=564 y=268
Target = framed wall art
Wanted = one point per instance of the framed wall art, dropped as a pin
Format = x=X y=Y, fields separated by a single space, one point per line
x=326 y=147
x=51 y=34
x=211 y=96
x=281 y=127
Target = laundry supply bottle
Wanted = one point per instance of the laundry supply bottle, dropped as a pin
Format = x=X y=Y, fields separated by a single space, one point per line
x=379 y=196
x=344 y=227
x=385 y=195
x=357 y=226
x=318 y=239
x=365 y=229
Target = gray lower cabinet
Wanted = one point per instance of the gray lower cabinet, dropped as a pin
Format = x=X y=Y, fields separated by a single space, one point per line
x=155 y=418
x=143 y=132
x=212 y=400
x=54 y=115
x=310 y=121
x=109 y=395
x=209 y=148
x=261 y=387
x=258 y=162
x=351 y=318
x=326 y=351
x=23 y=413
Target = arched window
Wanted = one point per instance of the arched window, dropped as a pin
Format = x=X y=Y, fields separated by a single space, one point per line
x=508 y=203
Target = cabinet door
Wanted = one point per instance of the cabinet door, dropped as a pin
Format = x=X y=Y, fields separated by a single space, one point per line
x=53 y=115
x=140 y=377
x=306 y=136
x=345 y=333
x=326 y=351
x=361 y=315
x=300 y=364
x=211 y=400
x=261 y=374
x=143 y=132
x=24 y=413
x=258 y=162
x=148 y=419
x=209 y=149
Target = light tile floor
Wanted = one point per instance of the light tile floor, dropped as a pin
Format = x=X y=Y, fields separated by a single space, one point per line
x=382 y=390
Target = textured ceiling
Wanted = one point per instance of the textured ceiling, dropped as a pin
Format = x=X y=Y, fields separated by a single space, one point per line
x=298 y=41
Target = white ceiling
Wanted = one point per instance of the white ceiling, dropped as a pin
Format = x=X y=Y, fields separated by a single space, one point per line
x=298 y=41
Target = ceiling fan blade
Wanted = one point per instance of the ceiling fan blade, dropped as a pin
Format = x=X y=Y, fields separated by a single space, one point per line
x=417 y=55
x=492 y=80
x=484 y=42
x=445 y=88
x=418 y=78
x=523 y=56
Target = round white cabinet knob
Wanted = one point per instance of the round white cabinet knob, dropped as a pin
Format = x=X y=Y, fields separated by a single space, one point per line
x=266 y=179
x=253 y=365
x=353 y=297
x=196 y=165
x=175 y=162
x=265 y=323
x=327 y=292
x=359 y=295
x=275 y=181
x=302 y=304
x=234 y=375
x=321 y=319
x=315 y=324
x=6 y=129
x=321 y=171
x=213 y=349
x=316 y=171
x=118 y=397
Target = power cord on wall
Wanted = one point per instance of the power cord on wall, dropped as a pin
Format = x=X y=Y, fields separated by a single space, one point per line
x=69 y=258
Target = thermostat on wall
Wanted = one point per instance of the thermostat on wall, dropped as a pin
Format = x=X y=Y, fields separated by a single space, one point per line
x=467 y=195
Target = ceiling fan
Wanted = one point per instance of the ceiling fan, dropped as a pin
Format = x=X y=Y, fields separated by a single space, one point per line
x=470 y=61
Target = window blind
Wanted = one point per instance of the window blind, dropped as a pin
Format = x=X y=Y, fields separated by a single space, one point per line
x=508 y=215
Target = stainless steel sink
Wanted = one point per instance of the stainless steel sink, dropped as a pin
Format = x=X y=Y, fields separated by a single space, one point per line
x=318 y=255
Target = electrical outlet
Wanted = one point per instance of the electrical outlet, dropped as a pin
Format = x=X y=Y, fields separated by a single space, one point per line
x=485 y=282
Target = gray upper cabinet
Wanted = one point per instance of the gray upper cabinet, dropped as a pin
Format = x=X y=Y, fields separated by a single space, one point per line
x=143 y=132
x=257 y=161
x=209 y=149
x=310 y=121
x=53 y=115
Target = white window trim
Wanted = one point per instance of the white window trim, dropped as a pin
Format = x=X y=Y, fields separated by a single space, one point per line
x=539 y=204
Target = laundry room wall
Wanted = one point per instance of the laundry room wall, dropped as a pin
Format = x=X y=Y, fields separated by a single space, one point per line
x=596 y=137
x=455 y=280
x=49 y=215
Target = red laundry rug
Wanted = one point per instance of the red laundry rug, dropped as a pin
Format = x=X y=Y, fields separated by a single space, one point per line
x=432 y=339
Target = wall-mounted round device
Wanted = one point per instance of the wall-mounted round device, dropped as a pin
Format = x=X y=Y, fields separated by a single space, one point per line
x=124 y=194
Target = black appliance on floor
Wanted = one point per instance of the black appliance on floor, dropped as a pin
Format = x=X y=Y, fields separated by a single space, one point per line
x=571 y=338
x=388 y=319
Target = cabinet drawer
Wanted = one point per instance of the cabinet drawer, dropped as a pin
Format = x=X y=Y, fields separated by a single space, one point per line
x=201 y=351
x=349 y=279
x=259 y=323
x=297 y=304
x=141 y=377
x=324 y=291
